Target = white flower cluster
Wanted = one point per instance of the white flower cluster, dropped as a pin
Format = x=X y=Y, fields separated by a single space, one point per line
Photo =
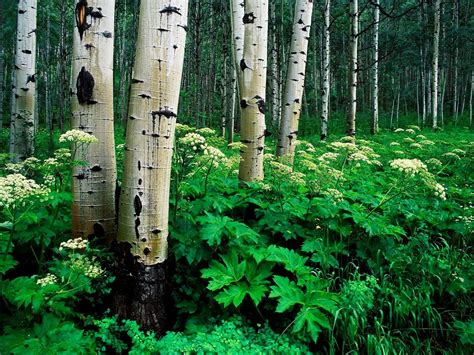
x=414 y=127
x=358 y=156
x=215 y=155
x=194 y=140
x=416 y=146
x=281 y=168
x=336 y=195
x=305 y=146
x=439 y=191
x=15 y=189
x=399 y=130
x=420 y=136
x=74 y=244
x=434 y=162
x=309 y=165
x=410 y=167
x=427 y=142
x=394 y=144
x=410 y=131
x=49 y=279
x=206 y=131
x=90 y=267
x=297 y=178
x=408 y=140
x=328 y=156
x=399 y=152
x=451 y=156
x=77 y=136
x=344 y=147
x=458 y=151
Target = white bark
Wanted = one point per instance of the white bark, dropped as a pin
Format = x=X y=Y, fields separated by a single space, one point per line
x=470 y=99
x=22 y=127
x=275 y=72
x=294 y=86
x=253 y=70
x=154 y=96
x=326 y=71
x=375 y=72
x=353 y=67
x=455 y=64
x=435 y=64
x=238 y=34
x=93 y=186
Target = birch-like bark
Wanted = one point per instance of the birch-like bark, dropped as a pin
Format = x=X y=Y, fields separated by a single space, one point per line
x=253 y=72
x=326 y=85
x=374 y=127
x=93 y=184
x=275 y=71
x=294 y=85
x=233 y=107
x=435 y=64
x=22 y=135
x=353 y=67
x=154 y=96
x=455 y=64
x=238 y=34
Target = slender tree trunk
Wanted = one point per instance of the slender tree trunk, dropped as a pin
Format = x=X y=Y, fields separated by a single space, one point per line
x=144 y=200
x=434 y=95
x=461 y=111
x=93 y=185
x=23 y=120
x=63 y=78
x=423 y=96
x=238 y=34
x=294 y=85
x=275 y=72
x=326 y=63
x=442 y=95
x=375 y=72
x=470 y=99
x=353 y=68
x=455 y=64
x=233 y=108
x=418 y=118
x=253 y=68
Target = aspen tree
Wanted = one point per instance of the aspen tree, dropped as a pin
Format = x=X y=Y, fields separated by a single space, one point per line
x=326 y=71
x=238 y=34
x=456 y=60
x=2 y=73
x=353 y=67
x=435 y=65
x=275 y=70
x=470 y=99
x=144 y=200
x=253 y=68
x=22 y=127
x=375 y=72
x=295 y=76
x=93 y=185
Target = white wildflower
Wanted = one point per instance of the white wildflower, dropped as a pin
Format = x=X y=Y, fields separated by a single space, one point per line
x=236 y=146
x=410 y=131
x=77 y=136
x=327 y=157
x=49 y=279
x=74 y=244
x=194 y=140
x=399 y=130
x=410 y=167
x=394 y=144
x=451 y=156
x=416 y=146
x=206 y=131
x=15 y=189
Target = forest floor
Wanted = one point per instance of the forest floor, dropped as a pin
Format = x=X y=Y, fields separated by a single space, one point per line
x=364 y=246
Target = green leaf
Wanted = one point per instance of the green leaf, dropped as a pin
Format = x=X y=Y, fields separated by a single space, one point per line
x=287 y=292
x=224 y=274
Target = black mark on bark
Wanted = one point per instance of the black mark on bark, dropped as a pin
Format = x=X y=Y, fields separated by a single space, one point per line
x=85 y=86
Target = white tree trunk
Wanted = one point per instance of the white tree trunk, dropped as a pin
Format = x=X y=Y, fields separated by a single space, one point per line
x=326 y=64
x=470 y=99
x=353 y=67
x=434 y=90
x=238 y=34
x=153 y=107
x=375 y=72
x=93 y=185
x=294 y=86
x=275 y=72
x=22 y=135
x=253 y=71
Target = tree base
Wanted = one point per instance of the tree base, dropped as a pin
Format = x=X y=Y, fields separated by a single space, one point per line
x=140 y=292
